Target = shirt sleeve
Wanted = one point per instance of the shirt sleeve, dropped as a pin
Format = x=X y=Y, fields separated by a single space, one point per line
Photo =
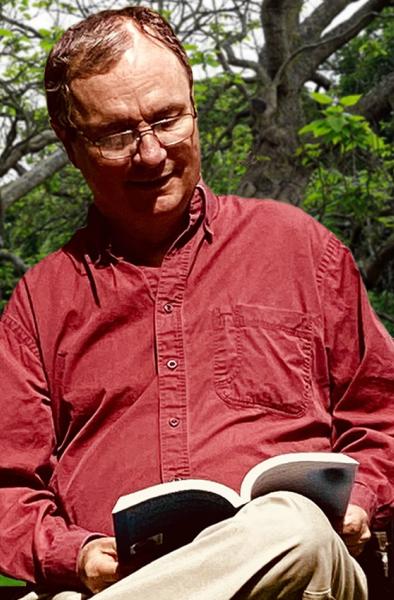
x=361 y=366
x=37 y=543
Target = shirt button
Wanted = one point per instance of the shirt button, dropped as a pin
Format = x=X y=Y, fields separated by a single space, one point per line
x=172 y=364
x=168 y=308
x=174 y=421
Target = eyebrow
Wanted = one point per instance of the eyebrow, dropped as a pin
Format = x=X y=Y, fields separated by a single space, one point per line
x=119 y=125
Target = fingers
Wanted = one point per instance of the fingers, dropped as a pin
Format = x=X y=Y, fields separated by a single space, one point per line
x=355 y=544
x=355 y=529
x=98 y=564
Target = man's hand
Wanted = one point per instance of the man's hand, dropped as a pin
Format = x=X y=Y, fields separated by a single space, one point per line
x=98 y=565
x=355 y=530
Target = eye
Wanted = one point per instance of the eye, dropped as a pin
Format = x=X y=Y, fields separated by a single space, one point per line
x=117 y=141
x=166 y=124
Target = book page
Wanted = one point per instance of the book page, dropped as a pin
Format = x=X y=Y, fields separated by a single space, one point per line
x=325 y=478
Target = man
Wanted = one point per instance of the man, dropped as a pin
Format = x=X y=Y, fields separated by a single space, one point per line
x=180 y=335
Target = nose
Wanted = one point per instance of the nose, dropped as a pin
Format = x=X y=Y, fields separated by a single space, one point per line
x=149 y=153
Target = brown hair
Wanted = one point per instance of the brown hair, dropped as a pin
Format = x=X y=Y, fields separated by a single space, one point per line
x=94 y=46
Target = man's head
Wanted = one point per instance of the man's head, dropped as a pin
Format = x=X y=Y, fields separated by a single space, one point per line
x=94 y=46
x=123 y=71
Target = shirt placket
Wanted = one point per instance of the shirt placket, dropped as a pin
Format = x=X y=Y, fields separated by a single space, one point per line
x=175 y=462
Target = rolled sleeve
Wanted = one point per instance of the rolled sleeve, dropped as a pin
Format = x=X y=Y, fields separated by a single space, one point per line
x=37 y=542
x=361 y=366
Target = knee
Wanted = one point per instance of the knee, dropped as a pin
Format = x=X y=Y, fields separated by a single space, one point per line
x=292 y=520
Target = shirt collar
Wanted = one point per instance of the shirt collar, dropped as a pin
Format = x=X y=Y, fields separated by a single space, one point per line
x=99 y=247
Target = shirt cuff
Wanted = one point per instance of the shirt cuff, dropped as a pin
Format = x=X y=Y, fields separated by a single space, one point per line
x=59 y=566
x=362 y=496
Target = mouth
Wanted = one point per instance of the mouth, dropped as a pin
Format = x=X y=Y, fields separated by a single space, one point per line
x=150 y=184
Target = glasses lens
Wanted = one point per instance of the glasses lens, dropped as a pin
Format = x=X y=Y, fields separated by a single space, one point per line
x=168 y=132
x=174 y=131
x=118 y=145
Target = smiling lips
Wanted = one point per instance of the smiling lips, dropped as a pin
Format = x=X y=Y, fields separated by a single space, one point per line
x=150 y=183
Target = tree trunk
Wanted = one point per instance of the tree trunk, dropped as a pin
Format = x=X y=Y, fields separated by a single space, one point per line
x=274 y=170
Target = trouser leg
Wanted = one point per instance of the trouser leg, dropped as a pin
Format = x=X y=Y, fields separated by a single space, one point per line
x=279 y=547
x=59 y=596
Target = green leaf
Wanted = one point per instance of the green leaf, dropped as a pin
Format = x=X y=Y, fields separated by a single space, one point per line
x=5 y=33
x=336 y=122
x=46 y=44
x=334 y=110
x=313 y=127
x=374 y=141
x=44 y=32
x=190 y=47
x=386 y=221
x=321 y=98
x=350 y=100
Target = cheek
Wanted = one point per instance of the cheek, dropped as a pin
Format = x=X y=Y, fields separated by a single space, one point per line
x=102 y=176
x=188 y=156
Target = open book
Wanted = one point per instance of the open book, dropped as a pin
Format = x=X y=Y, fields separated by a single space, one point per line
x=164 y=517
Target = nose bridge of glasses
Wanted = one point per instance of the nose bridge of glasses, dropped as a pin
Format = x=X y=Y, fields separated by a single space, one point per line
x=151 y=152
x=140 y=133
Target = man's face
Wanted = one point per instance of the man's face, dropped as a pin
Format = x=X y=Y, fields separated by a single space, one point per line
x=148 y=84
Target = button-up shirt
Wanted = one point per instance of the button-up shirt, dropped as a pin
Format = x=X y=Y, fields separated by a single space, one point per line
x=254 y=337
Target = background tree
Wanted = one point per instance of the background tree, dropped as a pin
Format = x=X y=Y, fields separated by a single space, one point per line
x=255 y=62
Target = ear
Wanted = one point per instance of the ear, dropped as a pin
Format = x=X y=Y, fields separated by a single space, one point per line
x=67 y=141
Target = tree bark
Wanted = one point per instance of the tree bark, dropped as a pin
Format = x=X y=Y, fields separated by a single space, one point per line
x=376 y=266
x=292 y=54
x=378 y=103
x=11 y=192
x=18 y=264
x=24 y=147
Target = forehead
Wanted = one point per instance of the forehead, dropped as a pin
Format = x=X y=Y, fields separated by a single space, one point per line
x=148 y=78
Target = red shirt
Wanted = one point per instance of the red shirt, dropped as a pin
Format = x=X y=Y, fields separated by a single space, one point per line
x=260 y=340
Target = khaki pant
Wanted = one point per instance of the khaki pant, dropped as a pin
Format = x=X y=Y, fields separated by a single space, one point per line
x=279 y=547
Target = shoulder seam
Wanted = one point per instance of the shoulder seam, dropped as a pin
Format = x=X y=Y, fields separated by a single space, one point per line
x=332 y=246
x=21 y=334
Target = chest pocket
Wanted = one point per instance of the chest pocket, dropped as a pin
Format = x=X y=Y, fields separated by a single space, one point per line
x=262 y=358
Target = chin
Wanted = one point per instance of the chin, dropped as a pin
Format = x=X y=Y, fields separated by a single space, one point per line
x=168 y=205
x=169 y=198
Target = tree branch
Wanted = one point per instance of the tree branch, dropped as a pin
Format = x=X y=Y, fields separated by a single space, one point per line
x=27 y=146
x=234 y=61
x=21 y=26
x=11 y=192
x=18 y=264
x=339 y=35
x=273 y=21
x=378 y=102
x=385 y=316
x=312 y=27
x=375 y=267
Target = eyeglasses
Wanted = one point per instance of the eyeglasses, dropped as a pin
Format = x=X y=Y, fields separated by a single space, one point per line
x=168 y=132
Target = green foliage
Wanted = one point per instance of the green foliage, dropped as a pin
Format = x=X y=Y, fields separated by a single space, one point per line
x=383 y=303
x=368 y=57
x=353 y=168
x=225 y=131
x=204 y=58
x=9 y=582
x=41 y=222
x=351 y=189
x=8 y=280
x=366 y=60
x=337 y=127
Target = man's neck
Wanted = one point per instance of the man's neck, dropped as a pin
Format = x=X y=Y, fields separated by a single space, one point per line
x=143 y=244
